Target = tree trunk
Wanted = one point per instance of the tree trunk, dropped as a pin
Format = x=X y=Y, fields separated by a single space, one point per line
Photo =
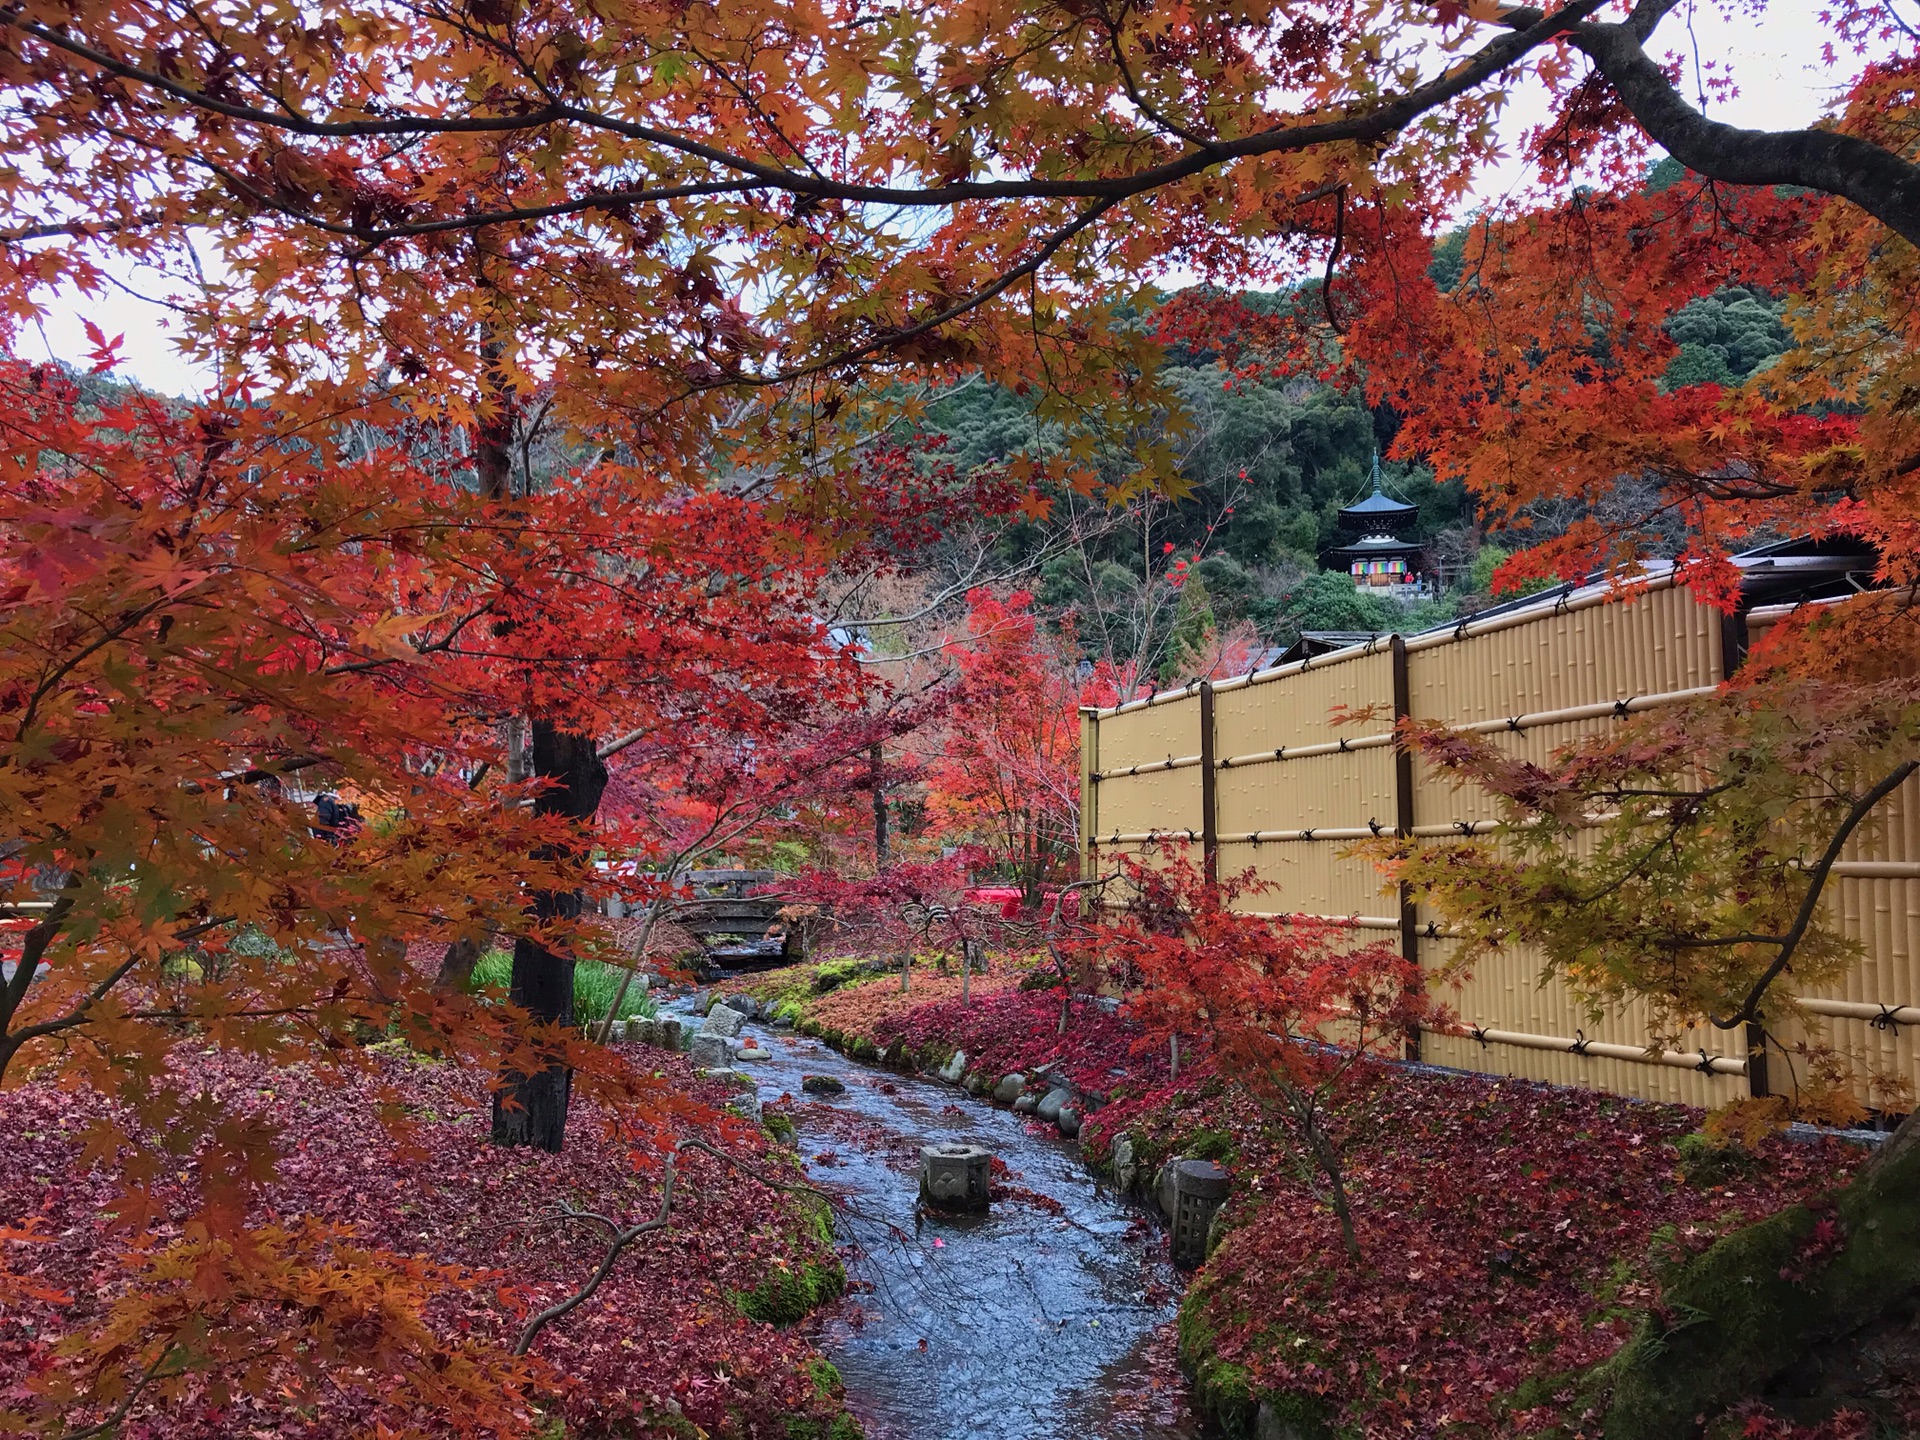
x=456 y=966
x=532 y=1109
x=882 y=849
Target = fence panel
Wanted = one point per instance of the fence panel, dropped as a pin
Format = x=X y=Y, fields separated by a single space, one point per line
x=1257 y=769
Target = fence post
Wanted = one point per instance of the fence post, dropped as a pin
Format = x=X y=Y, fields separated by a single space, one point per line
x=1733 y=652
x=1209 y=792
x=1403 y=811
x=1089 y=791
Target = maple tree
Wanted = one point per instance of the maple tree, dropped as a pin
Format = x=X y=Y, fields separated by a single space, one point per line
x=1006 y=777
x=1290 y=1008
x=204 y=610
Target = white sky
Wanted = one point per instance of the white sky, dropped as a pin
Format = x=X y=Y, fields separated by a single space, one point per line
x=1775 y=60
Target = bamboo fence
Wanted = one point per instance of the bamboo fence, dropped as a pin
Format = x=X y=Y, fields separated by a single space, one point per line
x=1254 y=773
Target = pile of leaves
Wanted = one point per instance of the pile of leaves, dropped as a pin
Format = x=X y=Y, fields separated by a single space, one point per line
x=663 y=1342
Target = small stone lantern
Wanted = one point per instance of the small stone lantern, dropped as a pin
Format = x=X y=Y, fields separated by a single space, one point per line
x=955 y=1176
x=1199 y=1189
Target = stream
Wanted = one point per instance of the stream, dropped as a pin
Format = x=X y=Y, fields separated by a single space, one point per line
x=1036 y=1321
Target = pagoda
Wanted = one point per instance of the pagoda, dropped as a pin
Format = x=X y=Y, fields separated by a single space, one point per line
x=1379 y=559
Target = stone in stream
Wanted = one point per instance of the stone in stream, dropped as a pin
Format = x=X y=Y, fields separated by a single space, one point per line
x=955 y=1067
x=753 y=1050
x=669 y=1033
x=712 y=1052
x=1026 y=1105
x=744 y=1004
x=1049 y=1107
x=954 y=1176
x=1125 y=1171
x=747 y=1106
x=723 y=1021
x=821 y=1085
x=1069 y=1121
x=1010 y=1089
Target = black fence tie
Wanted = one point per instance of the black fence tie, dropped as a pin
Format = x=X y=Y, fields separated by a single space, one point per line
x=1191 y=837
x=1343 y=744
x=1560 y=605
x=1465 y=827
x=1885 y=1020
x=1306 y=834
x=1460 y=630
x=1373 y=825
x=1620 y=708
x=1254 y=839
x=1481 y=1036
x=1579 y=1046
x=1705 y=1067
x=1433 y=929
x=1281 y=753
x=1513 y=724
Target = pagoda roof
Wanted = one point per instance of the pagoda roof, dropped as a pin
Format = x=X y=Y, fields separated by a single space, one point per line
x=1378 y=509
x=1379 y=547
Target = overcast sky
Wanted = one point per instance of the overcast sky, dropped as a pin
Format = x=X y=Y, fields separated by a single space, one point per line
x=1776 y=62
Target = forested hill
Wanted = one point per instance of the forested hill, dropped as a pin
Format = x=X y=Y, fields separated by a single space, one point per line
x=1270 y=462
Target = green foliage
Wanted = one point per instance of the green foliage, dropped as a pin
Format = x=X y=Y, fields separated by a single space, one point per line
x=1193 y=627
x=1724 y=338
x=1449 y=257
x=1328 y=600
x=594 y=986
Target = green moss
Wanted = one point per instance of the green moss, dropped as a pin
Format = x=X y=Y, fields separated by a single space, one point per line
x=1222 y=1390
x=787 y=1295
x=845 y=1427
x=1707 y=1163
x=825 y=1376
x=1210 y=1145
x=1752 y=1306
x=863 y=1049
x=779 y=1126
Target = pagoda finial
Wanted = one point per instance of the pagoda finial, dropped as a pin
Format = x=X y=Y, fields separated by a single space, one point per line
x=1378 y=489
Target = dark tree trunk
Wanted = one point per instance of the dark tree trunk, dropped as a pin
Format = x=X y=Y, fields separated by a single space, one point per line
x=882 y=855
x=532 y=1109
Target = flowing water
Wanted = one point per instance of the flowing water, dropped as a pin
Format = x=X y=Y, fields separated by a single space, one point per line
x=1041 y=1320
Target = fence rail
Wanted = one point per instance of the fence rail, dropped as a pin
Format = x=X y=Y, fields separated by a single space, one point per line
x=1255 y=774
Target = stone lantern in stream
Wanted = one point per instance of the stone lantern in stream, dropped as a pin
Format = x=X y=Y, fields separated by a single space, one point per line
x=955 y=1177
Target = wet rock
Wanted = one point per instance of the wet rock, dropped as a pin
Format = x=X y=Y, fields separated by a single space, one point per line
x=1010 y=1089
x=976 y=1085
x=722 y=1020
x=753 y=1050
x=1125 y=1171
x=1163 y=1191
x=747 y=1106
x=1026 y=1105
x=745 y=1005
x=727 y=1075
x=955 y=1067
x=1050 y=1104
x=1069 y=1121
x=821 y=1085
x=783 y=1020
x=712 y=1051
x=669 y=1033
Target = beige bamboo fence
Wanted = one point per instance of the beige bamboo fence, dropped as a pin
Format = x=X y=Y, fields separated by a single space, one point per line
x=1255 y=772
